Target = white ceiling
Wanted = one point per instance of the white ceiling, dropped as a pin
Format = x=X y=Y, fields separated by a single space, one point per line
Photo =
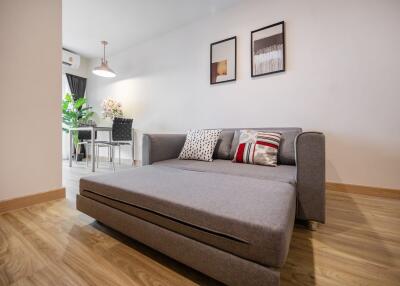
x=124 y=23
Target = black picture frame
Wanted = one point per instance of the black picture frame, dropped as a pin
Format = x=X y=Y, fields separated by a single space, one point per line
x=283 y=50
x=211 y=60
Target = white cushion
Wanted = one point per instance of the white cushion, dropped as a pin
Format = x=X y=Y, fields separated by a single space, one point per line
x=200 y=145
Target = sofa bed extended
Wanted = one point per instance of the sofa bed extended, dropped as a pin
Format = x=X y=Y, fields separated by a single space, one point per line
x=230 y=221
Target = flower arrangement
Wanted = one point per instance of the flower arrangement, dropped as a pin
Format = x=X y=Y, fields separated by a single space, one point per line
x=111 y=108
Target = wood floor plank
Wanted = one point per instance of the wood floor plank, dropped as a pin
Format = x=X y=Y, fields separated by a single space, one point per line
x=57 y=246
x=18 y=258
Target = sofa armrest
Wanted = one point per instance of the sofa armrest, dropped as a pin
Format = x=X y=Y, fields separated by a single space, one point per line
x=310 y=162
x=160 y=147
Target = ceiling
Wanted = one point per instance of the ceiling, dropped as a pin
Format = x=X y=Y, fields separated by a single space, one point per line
x=124 y=23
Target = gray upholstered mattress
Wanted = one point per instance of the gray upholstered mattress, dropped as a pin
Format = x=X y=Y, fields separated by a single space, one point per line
x=248 y=217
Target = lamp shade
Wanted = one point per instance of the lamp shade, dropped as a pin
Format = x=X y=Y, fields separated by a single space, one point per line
x=104 y=70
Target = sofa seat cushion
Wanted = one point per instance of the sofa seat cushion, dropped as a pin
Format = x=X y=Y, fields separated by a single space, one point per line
x=247 y=217
x=280 y=173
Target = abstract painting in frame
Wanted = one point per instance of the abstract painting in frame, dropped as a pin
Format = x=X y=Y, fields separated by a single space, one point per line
x=223 y=61
x=268 y=50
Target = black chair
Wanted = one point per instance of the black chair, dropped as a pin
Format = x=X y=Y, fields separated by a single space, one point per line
x=121 y=135
x=85 y=138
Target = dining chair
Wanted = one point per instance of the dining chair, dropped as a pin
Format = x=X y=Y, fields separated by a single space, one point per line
x=121 y=135
x=85 y=138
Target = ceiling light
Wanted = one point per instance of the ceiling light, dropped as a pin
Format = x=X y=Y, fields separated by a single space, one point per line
x=103 y=70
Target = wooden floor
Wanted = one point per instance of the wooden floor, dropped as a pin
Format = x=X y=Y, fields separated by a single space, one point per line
x=53 y=244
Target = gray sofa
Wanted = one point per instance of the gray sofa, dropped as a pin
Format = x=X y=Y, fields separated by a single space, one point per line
x=230 y=221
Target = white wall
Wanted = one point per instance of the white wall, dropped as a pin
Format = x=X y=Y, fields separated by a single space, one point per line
x=30 y=84
x=342 y=78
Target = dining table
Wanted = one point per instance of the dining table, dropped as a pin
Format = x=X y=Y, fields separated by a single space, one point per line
x=93 y=130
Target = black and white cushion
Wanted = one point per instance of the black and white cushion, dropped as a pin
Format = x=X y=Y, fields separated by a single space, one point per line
x=200 y=145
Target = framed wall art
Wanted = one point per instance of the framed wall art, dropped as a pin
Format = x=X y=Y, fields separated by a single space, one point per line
x=223 y=61
x=268 y=50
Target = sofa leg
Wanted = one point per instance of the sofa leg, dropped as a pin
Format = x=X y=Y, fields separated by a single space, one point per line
x=312 y=225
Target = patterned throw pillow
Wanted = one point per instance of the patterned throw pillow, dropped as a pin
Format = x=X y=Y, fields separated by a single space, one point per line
x=257 y=147
x=200 y=145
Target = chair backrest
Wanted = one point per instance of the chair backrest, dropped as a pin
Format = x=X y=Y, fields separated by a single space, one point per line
x=122 y=129
x=86 y=135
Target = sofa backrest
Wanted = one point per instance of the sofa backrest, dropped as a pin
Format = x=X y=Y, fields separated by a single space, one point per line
x=286 y=153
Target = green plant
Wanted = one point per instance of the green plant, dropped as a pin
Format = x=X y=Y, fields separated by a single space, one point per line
x=74 y=114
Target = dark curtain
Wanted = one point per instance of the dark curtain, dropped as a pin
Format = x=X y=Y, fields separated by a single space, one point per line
x=77 y=85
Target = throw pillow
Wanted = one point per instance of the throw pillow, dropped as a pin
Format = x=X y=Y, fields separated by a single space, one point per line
x=199 y=145
x=258 y=147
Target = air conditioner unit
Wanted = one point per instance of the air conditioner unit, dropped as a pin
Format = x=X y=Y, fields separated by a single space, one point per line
x=70 y=59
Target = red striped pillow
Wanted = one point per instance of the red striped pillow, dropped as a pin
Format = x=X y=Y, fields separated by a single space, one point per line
x=258 y=147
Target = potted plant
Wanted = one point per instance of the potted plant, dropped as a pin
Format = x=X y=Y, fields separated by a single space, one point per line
x=75 y=114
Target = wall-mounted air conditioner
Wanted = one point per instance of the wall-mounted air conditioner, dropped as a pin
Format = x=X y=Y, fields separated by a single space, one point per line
x=70 y=59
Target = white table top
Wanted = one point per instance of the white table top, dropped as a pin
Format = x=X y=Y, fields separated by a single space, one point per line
x=90 y=128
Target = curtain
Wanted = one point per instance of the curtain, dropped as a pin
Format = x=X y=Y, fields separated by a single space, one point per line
x=77 y=85
x=65 y=136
